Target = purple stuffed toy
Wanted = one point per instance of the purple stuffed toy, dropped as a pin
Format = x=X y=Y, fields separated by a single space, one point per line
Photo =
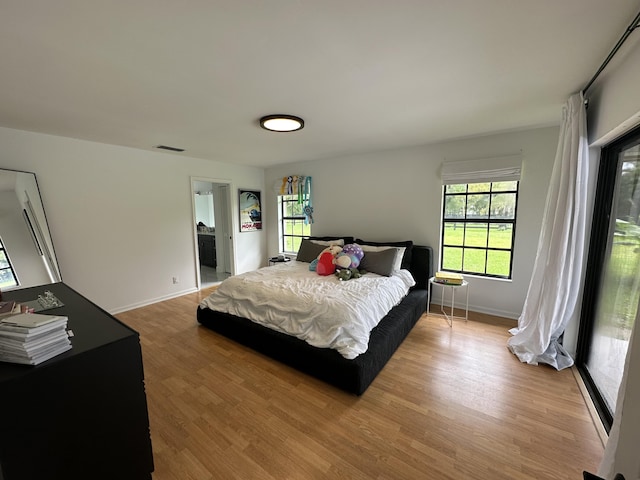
x=350 y=256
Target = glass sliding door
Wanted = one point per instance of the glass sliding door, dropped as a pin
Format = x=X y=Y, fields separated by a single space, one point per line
x=612 y=289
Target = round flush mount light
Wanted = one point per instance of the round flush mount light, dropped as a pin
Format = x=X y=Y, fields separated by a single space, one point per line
x=282 y=123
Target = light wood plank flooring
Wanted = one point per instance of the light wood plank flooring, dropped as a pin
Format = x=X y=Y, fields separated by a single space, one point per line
x=452 y=403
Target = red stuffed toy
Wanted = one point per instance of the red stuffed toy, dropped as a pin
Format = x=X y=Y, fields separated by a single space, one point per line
x=325 y=264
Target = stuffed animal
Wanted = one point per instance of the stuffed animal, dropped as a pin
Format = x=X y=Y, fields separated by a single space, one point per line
x=342 y=260
x=350 y=256
x=325 y=264
x=343 y=274
x=348 y=273
x=355 y=273
x=332 y=251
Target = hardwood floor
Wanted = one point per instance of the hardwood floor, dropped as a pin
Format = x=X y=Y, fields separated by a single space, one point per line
x=452 y=403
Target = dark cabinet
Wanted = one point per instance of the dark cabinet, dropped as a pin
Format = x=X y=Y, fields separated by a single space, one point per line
x=82 y=414
x=207 y=249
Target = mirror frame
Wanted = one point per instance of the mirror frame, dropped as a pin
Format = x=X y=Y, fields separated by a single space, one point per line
x=28 y=198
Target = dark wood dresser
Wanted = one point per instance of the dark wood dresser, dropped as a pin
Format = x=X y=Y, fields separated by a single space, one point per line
x=82 y=414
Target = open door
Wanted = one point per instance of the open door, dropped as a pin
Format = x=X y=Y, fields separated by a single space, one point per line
x=212 y=226
x=612 y=284
x=224 y=238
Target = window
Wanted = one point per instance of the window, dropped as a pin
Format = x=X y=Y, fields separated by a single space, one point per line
x=292 y=227
x=7 y=273
x=612 y=280
x=478 y=228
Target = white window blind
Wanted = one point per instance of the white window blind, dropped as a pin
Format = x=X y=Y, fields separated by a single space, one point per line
x=493 y=169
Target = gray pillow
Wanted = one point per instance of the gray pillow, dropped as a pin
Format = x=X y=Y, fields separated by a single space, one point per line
x=379 y=262
x=309 y=251
x=406 y=259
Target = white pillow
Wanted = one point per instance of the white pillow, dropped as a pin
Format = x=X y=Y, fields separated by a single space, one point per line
x=397 y=262
x=328 y=243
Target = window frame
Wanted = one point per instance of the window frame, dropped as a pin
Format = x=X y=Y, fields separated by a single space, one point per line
x=284 y=217
x=605 y=192
x=8 y=268
x=488 y=221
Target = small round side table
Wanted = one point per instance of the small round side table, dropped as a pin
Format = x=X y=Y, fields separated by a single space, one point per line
x=449 y=318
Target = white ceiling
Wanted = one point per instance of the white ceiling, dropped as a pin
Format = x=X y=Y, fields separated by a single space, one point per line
x=365 y=75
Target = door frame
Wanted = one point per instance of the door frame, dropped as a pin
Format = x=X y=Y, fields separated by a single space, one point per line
x=232 y=238
x=601 y=223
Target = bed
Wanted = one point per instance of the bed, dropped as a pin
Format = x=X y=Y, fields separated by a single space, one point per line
x=353 y=375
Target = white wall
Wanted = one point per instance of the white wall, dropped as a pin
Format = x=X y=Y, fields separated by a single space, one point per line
x=614 y=99
x=396 y=195
x=614 y=108
x=122 y=219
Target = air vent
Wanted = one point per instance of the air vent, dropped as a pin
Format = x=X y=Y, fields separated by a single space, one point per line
x=171 y=149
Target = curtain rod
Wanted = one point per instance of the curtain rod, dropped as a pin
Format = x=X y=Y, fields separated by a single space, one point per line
x=635 y=24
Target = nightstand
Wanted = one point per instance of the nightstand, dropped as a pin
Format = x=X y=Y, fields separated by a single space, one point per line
x=279 y=259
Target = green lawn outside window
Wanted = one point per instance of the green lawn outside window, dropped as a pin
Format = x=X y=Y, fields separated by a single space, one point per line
x=479 y=228
x=292 y=226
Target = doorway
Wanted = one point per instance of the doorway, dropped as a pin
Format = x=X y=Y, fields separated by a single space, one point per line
x=612 y=282
x=214 y=246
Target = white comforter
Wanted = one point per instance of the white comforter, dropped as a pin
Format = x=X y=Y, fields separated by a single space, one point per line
x=323 y=311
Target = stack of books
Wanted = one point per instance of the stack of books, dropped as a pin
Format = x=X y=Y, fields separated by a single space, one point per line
x=449 y=278
x=32 y=338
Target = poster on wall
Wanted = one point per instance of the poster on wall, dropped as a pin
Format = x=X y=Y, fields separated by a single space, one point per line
x=250 y=210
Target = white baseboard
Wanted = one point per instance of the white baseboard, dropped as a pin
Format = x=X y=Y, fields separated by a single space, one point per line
x=152 y=301
x=493 y=311
x=436 y=299
x=474 y=308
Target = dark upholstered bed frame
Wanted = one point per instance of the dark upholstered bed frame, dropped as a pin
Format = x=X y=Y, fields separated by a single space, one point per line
x=326 y=364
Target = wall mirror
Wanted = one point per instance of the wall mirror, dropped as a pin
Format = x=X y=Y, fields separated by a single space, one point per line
x=27 y=257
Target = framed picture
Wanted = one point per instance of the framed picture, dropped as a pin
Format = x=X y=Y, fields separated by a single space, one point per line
x=250 y=210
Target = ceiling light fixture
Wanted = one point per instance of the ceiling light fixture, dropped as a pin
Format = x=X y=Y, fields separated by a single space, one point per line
x=282 y=123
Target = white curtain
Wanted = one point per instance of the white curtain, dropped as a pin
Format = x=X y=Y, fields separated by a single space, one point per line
x=554 y=289
x=621 y=452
